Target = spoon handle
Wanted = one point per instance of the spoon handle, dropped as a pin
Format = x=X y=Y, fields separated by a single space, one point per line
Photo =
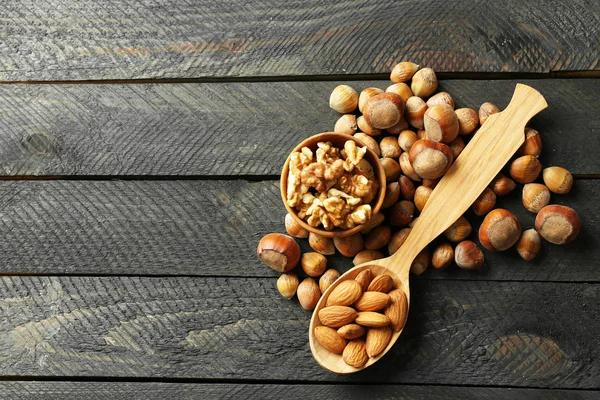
x=480 y=161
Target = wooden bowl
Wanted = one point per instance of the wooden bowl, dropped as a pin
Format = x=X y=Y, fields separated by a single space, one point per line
x=337 y=140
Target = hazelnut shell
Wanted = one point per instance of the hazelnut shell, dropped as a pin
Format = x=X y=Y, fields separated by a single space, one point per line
x=500 y=230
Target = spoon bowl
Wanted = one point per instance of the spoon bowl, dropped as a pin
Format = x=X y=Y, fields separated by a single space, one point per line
x=333 y=362
x=480 y=161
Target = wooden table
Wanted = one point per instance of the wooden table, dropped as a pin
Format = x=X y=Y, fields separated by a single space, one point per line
x=139 y=166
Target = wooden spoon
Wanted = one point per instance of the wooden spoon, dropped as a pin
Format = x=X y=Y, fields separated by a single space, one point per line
x=481 y=160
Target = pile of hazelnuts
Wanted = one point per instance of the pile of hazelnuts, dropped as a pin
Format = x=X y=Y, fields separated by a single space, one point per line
x=417 y=134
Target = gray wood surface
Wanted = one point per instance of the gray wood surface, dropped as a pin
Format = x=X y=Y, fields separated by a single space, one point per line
x=457 y=333
x=120 y=39
x=234 y=129
x=212 y=228
x=44 y=390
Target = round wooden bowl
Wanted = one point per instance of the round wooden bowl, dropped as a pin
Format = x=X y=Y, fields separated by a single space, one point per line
x=337 y=140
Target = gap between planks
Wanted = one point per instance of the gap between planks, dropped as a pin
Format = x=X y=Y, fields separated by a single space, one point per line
x=249 y=178
x=133 y=379
x=262 y=277
x=309 y=78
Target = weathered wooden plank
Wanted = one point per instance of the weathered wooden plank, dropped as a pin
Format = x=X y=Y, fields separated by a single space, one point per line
x=60 y=40
x=475 y=333
x=234 y=128
x=157 y=390
x=211 y=228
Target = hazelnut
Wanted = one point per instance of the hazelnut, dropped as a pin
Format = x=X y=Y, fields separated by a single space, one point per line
x=364 y=279
x=293 y=228
x=529 y=244
x=443 y=255
x=313 y=264
x=457 y=146
x=415 y=111
x=346 y=124
x=343 y=99
x=468 y=255
x=532 y=145
x=397 y=240
x=401 y=89
x=287 y=284
x=366 y=256
x=374 y=222
x=485 y=202
x=422 y=134
x=378 y=237
x=406 y=139
x=392 y=169
x=278 y=251
x=486 y=110
x=321 y=244
x=421 y=262
x=403 y=71
x=430 y=183
x=402 y=213
x=459 y=230
x=413 y=222
x=369 y=142
x=558 y=224
x=330 y=276
x=430 y=160
x=502 y=185
x=500 y=230
x=467 y=120
x=407 y=168
x=440 y=98
x=525 y=169
x=392 y=194
x=384 y=110
x=424 y=82
x=308 y=294
x=349 y=246
x=421 y=196
x=365 y=95
x=390 y=147
x=558 y=180
x=407 y=187
x=366 y=128
x=441 y=123
x=399 y=127
x=535 y=197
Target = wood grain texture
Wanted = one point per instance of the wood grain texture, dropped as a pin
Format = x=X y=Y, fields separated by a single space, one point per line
x=121 y=39
x=234 y=129
x=212 y=228
x=457 y=333
x=156 y=390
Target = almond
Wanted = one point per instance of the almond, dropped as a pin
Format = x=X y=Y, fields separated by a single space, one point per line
x=351 y=331
x=355 y=353
x=364 y=278
x=372 y=301
x=377 y=340
x=381 y=283
x=329 y=339
x=344 y=294
x=372 y=319
x=337 y=316
x=397 y=310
